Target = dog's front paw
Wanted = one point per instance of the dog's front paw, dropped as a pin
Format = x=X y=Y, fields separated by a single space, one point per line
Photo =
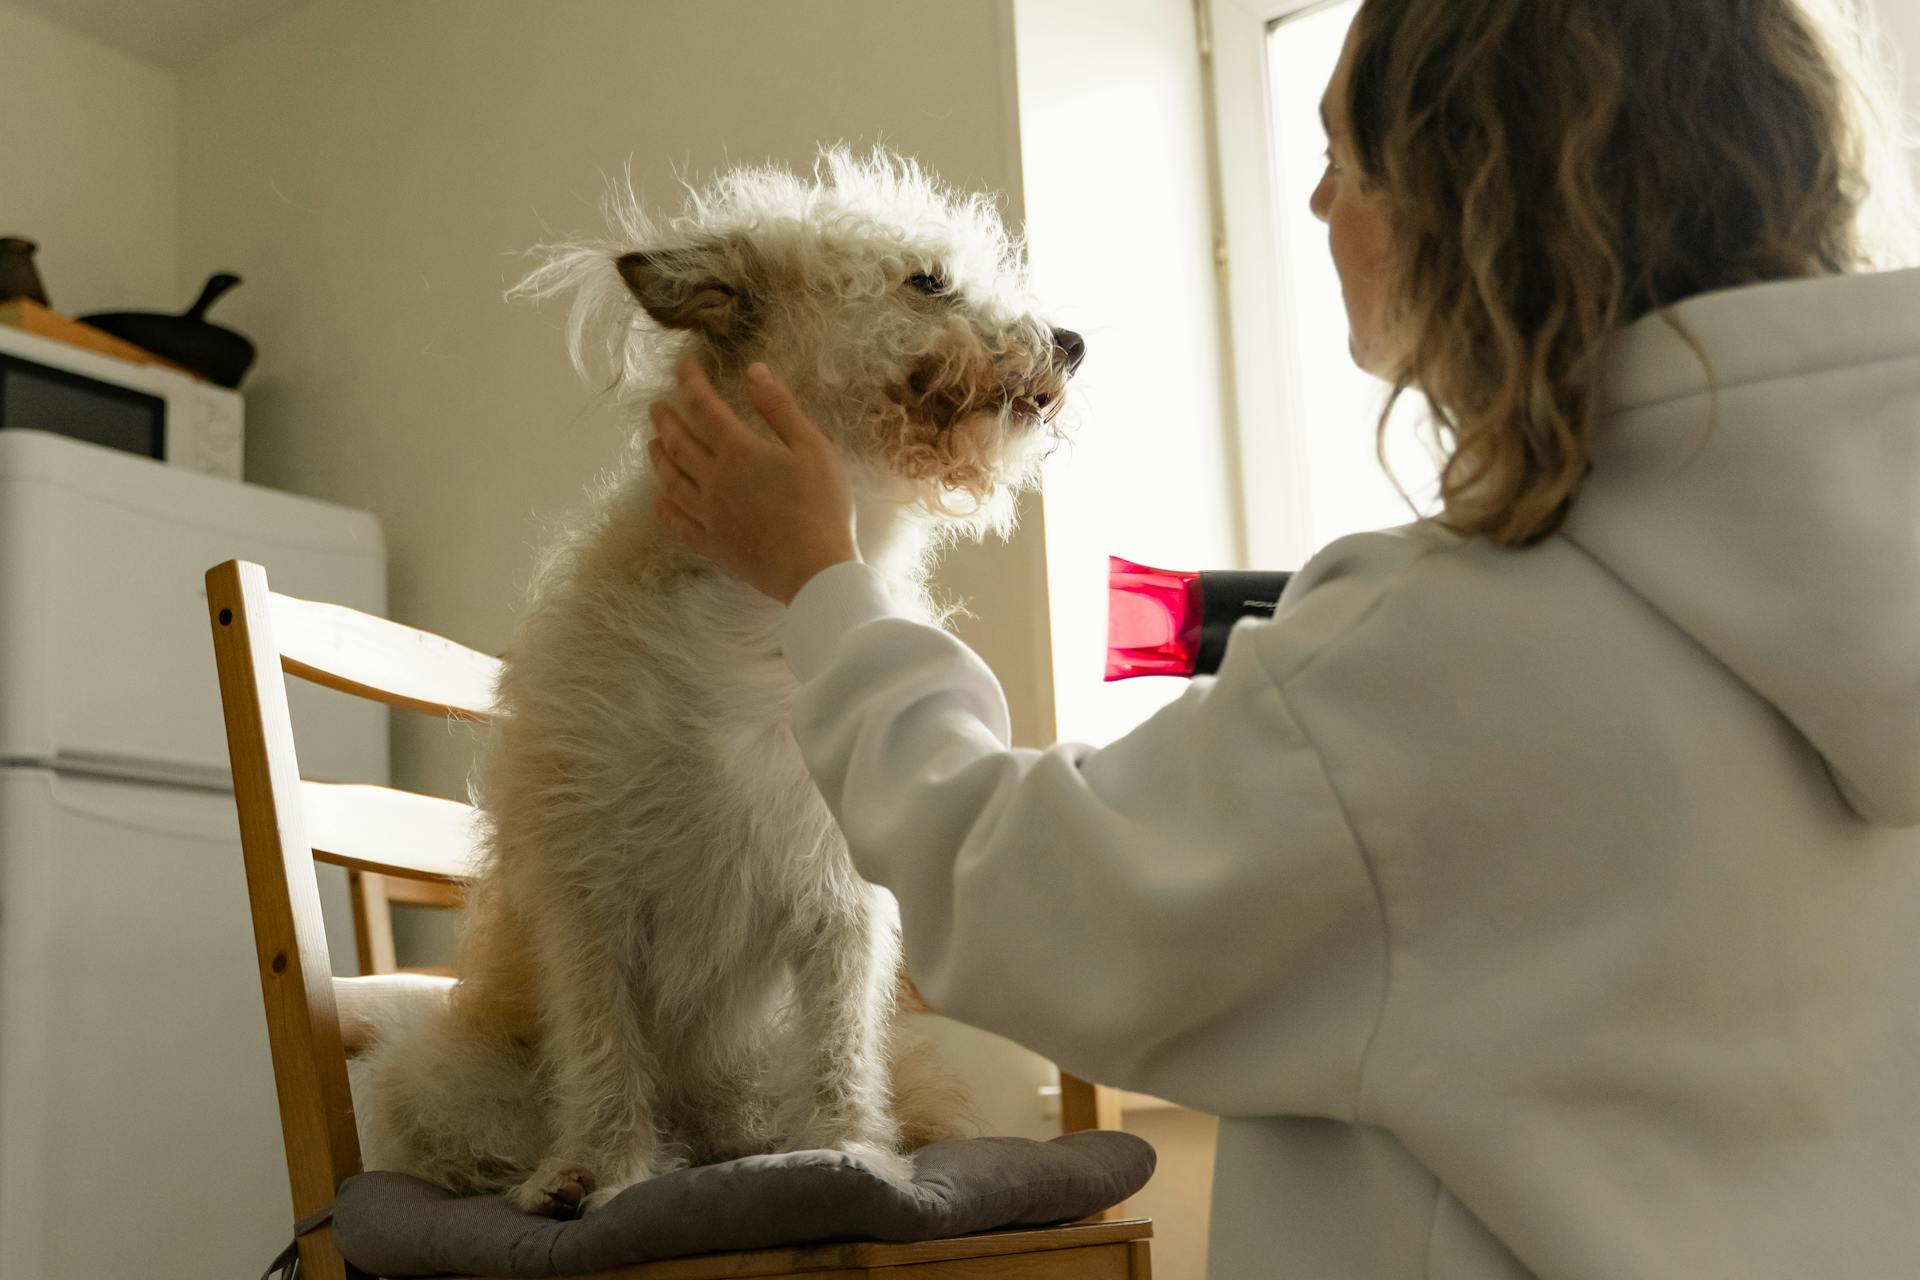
x=557 y=1189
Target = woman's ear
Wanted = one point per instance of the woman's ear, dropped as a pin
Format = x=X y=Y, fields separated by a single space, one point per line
x=703 y=288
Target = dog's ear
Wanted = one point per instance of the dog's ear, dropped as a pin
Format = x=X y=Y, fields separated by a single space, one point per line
x=701 y=288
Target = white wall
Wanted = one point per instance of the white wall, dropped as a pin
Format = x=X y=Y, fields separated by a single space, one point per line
x=373 y=169
x=90 y=168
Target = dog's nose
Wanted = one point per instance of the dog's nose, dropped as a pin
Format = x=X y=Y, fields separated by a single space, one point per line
x=1072 y=346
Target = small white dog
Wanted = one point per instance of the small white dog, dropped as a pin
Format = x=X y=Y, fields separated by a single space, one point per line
x=668 y=956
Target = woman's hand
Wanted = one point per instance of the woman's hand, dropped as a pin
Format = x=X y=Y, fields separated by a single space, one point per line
x=773 y=512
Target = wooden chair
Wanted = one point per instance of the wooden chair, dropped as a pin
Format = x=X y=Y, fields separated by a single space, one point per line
x=315 y=1020
x=374 y=898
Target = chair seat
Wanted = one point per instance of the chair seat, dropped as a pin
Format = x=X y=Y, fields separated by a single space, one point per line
x=798 y=1204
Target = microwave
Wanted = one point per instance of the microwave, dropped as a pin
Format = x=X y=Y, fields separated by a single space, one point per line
x=155 y=412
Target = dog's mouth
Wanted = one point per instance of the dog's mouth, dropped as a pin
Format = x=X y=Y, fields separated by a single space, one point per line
x=1041 y=405
x=945 y=405
x=969 y=432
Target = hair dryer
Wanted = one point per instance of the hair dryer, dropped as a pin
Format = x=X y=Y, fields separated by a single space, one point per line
x=1168 y=622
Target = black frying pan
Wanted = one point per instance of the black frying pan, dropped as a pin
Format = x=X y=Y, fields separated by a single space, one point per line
x=221 y=355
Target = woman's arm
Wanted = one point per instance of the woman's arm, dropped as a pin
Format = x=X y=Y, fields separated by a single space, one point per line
x=1184 y=912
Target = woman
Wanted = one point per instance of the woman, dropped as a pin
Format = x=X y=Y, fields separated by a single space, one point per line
x=1539 y=892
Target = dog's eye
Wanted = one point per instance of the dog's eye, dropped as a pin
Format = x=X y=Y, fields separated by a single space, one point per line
x=927 y=284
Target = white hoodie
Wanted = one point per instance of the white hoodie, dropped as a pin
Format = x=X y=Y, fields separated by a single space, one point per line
x=1550 y=912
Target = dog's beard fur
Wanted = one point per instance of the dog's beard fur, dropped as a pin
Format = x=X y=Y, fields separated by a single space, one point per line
x=668 y=957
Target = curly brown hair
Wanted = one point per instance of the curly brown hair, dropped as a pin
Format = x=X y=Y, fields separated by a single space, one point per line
x=1556 y=169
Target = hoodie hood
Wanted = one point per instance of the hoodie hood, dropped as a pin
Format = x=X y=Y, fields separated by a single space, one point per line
x=1772 y=510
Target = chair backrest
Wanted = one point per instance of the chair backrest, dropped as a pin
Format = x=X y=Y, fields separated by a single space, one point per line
x=374 y=898
x=313 y=1018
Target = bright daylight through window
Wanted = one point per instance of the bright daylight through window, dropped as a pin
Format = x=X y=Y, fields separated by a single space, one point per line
x=1330 y=405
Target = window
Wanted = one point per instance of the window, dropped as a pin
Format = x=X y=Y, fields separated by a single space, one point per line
x=1308 y=416
x=1332 y=405
x=1119 y=213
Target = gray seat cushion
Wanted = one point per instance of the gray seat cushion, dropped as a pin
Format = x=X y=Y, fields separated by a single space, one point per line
x=390 y=1224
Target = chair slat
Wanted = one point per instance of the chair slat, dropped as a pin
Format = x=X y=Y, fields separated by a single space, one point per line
x=387 y=661
x=366 y=1005
x=396 y=833
x=408 y=892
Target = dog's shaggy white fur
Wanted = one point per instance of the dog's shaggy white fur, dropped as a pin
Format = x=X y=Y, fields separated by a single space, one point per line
x=668 y=956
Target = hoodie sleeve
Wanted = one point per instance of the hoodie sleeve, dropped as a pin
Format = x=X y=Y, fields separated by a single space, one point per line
x=1184 y=912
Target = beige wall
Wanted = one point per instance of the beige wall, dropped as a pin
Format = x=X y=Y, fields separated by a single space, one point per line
x=1179 y=1198
x=374 y=168
x=90 y=167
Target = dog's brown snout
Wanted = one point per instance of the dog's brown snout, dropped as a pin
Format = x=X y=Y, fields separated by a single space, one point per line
x=1071 y=346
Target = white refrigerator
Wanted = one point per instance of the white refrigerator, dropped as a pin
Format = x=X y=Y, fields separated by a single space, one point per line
x=139 y=1134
